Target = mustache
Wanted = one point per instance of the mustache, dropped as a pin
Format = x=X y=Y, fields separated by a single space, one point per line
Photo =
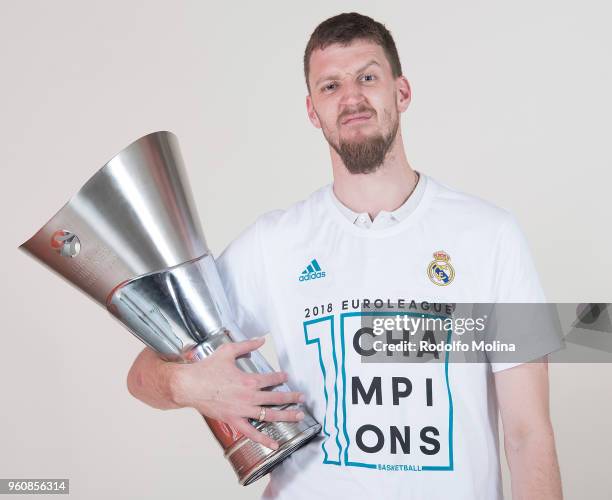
x=355 y=110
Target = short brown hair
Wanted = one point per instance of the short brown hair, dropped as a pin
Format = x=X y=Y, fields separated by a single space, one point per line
x=344 y=29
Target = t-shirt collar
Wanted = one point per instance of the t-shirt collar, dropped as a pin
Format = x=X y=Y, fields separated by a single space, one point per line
x=397 y=215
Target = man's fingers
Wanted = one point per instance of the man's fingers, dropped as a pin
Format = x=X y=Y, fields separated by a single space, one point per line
x=278 y=397
x=243 y=426
x=280 y=415
x=269 y=379
x=244 y=347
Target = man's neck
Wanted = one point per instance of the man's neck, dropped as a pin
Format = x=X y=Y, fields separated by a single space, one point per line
x=385 y=189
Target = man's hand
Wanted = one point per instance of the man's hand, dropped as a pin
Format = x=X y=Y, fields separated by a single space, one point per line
x=522 y=394
x=215 y=387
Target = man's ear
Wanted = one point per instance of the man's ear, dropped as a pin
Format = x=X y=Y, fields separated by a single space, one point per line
x=312 y=115
x=404 y=94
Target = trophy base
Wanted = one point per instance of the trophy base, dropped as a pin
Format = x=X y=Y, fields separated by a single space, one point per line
x=252 y=460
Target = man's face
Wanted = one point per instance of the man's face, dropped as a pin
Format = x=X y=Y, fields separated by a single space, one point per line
x=356 y=101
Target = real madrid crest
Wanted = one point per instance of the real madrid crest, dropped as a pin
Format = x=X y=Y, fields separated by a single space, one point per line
x=440 y=270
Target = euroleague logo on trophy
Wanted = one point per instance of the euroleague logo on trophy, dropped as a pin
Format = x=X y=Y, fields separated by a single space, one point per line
x=65 y=243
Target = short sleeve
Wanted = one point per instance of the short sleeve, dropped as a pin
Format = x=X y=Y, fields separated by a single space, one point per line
x=241 y=270
x=516 y=277
x=522 y=315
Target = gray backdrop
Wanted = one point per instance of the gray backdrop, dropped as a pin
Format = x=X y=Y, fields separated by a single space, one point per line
x=510 y=102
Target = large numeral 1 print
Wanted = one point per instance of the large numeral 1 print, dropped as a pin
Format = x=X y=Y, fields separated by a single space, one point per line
x=319 y=334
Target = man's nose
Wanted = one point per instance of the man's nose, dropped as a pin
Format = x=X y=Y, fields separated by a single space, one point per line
x=351 y=94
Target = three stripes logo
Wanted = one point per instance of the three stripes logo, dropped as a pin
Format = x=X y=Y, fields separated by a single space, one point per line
x=312 y=271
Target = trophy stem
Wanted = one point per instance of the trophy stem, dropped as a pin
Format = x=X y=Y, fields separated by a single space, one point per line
x=182 y=313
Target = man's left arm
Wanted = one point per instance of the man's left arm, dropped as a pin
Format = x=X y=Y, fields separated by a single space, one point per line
x=529 y=442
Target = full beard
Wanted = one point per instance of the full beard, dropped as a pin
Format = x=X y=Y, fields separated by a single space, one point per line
x=367 y=155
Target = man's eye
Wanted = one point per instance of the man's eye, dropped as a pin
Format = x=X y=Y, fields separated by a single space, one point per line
x=368 y=78
x=329 y=86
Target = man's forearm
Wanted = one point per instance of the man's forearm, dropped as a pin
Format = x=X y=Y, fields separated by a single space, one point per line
x=534 y=467
x=150 y=381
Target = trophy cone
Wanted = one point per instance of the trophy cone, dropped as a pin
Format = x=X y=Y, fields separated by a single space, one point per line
x=131 y=239
x=135 y=216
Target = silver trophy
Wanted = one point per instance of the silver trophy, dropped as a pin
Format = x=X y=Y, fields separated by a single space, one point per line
x=131 y=239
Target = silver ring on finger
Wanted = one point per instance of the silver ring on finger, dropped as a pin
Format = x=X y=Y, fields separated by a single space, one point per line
x=262 y=414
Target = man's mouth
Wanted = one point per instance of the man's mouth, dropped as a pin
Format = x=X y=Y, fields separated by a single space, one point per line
x=356 y=118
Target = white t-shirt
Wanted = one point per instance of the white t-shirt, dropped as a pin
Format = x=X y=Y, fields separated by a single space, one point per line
x=304 y=273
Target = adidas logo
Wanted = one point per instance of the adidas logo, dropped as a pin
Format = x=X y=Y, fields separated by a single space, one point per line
x=312 y=271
